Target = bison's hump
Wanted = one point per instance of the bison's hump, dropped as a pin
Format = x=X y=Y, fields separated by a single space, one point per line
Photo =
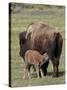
x=39 y=29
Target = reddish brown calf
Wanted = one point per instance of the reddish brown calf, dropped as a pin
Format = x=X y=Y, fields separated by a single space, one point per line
x=35 y=59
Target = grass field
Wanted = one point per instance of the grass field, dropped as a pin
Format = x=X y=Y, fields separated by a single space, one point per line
x=19 y=21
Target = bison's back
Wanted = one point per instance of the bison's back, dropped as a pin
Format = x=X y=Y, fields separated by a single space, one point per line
x=33 y=57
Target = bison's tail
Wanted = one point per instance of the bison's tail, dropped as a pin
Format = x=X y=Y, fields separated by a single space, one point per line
x=58 y=45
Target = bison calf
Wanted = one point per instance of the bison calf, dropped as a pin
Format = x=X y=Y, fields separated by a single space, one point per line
x=35 y=59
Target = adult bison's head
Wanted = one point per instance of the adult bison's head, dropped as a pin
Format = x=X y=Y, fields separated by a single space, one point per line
x=22 y=43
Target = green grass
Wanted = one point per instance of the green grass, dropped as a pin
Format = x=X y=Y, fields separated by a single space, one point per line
x=19 y=21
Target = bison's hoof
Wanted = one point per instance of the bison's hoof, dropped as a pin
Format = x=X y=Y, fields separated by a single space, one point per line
x=55 y=75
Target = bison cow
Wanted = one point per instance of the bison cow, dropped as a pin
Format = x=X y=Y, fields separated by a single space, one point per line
x=43 y=38
x=35 y=59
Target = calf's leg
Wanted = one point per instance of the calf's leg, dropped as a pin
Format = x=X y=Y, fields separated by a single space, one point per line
x=24 y=73
x=27 y=70
x=37 y=71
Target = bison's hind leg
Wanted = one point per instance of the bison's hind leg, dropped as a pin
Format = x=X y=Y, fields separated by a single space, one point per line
x=55 y=63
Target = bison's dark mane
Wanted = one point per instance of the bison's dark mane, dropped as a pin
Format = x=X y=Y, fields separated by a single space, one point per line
x=22 y=37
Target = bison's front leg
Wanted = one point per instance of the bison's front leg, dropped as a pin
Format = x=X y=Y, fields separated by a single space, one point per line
x=42 y=75
x=44 y=68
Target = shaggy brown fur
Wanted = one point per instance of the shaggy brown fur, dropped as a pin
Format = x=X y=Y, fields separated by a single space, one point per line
x=43 y=38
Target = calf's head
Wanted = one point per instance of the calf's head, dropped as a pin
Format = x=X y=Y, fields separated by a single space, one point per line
x=45 y=59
